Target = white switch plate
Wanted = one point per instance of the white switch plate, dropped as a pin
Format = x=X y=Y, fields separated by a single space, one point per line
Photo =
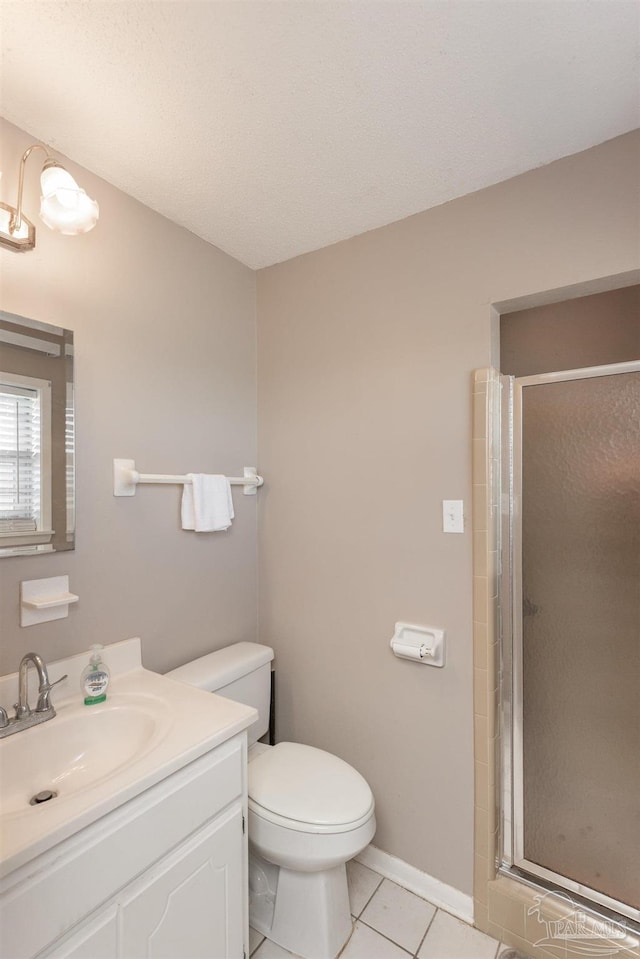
x=452 y=516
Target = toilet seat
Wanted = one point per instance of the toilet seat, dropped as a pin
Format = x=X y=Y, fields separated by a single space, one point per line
x=308 y=790
x=305 y=827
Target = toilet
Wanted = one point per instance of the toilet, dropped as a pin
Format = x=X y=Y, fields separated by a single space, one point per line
x=309 y=813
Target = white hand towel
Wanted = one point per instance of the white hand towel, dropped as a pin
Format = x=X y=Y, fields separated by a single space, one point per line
x=206 y=503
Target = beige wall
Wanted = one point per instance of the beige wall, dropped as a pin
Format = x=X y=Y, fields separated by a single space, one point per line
x=365 y=353
x=587 y=331
x=164 y=330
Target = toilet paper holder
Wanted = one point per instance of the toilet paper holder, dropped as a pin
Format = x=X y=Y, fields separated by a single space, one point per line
x=420 y=644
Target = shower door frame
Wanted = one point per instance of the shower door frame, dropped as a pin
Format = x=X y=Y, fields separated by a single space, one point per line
x=510 y=625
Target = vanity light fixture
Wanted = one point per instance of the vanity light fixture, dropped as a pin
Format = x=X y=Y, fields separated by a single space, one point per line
x=64 y=206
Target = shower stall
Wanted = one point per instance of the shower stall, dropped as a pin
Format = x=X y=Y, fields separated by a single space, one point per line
x=570 y=627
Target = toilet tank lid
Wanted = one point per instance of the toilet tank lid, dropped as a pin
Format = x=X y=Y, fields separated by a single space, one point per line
x=223 y=666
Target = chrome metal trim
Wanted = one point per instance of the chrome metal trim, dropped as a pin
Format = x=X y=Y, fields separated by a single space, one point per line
x=505 y=604
x=557 y=880
x=16 y=221
x=516 y=627
x=34 y=718
x=585 y=373
x=7 y=238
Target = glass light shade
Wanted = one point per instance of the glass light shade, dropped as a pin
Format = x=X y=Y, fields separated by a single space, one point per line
x=64 y=206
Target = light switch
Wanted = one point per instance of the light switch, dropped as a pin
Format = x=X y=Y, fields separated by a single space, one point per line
x=452 y=516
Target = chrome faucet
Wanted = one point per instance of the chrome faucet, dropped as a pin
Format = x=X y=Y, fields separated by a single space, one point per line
x=22 y=706
x=24 y=715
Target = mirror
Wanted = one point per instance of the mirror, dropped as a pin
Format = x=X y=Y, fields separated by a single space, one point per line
x=37 y=443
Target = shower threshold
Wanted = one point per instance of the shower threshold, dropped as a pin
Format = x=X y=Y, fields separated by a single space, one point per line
x=578 y=898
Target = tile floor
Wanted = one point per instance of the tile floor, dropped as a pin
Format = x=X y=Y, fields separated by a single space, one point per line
x=393 y=923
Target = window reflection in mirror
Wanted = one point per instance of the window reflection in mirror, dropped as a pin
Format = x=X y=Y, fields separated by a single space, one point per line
x=37 y=462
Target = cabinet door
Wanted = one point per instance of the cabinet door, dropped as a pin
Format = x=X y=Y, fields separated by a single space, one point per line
x=190 y=905
x=96 y=939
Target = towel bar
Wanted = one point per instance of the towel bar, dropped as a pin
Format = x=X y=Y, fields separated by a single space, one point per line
x=126 y=478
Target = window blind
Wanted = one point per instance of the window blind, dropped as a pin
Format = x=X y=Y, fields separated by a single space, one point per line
x=19 y=459
x=69 y=447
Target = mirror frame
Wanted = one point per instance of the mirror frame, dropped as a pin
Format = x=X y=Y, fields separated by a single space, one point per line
x=43 y=355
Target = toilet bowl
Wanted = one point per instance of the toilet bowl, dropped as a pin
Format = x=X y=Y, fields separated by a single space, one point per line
x=309 y=812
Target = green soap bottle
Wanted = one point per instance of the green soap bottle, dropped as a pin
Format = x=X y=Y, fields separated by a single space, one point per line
x=95 y=678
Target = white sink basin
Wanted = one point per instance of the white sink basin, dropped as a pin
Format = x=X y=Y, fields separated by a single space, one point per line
x=77 y=749
x=98 y=757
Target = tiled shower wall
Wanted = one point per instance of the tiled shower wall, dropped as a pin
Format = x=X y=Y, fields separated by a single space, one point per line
x=486 y=462
x=504 y=908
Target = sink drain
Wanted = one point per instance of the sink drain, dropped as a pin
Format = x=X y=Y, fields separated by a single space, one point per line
x=43 y=796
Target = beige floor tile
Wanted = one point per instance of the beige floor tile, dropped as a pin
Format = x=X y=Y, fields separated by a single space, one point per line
x=363 y=882
x=255 y=939
x=269 y=950
x=399 y=914
x=366 y=943
x=449 y=938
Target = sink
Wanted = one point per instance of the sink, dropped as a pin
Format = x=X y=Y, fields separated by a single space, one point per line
x=97 y=758
x=77 y=749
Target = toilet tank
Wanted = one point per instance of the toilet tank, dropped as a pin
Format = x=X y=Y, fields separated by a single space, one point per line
x=241 y=672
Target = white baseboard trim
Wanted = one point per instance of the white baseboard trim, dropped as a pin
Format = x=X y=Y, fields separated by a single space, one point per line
x=424 y=885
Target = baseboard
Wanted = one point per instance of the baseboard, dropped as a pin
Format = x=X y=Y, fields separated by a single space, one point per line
x=424 y=885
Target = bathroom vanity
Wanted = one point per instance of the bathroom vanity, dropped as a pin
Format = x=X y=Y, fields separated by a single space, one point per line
x=148 y=857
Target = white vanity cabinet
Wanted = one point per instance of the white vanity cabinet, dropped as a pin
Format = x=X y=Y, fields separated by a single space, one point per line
x=191 y=904
x=97 y=938
x=163 y=876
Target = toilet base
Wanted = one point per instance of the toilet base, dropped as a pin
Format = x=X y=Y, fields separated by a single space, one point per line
x=306 y=913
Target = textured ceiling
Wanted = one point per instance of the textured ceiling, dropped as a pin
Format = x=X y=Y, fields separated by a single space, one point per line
x=276 y=127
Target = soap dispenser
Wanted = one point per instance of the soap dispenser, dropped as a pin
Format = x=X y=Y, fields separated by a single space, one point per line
x=95 y=678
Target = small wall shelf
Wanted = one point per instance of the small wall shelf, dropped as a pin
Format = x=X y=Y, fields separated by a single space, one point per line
x=42 y=600
x=49 y=602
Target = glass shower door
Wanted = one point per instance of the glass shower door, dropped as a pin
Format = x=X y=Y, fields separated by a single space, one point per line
x=576 y=631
